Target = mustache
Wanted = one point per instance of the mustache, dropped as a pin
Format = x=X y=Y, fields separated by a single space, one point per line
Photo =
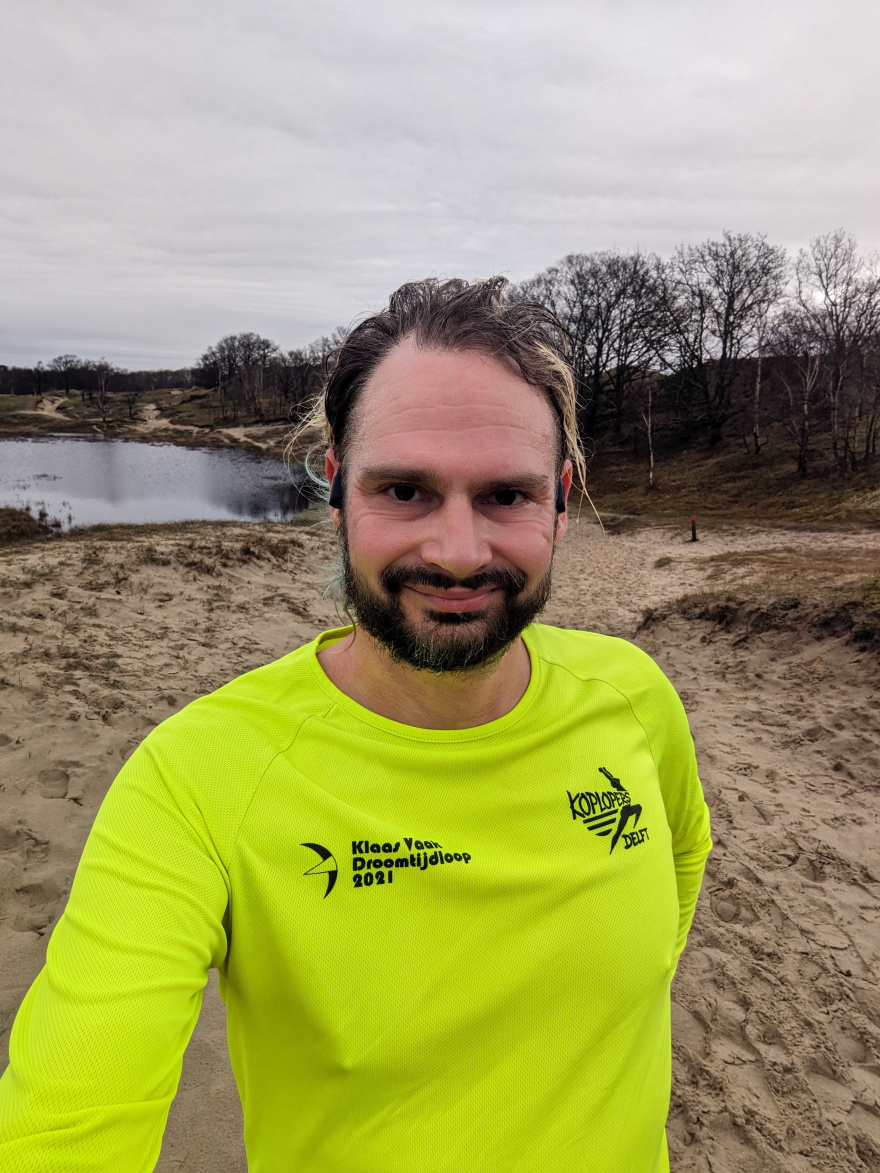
x=395 y=578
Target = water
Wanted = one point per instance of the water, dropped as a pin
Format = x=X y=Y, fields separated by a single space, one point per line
x=83 y=480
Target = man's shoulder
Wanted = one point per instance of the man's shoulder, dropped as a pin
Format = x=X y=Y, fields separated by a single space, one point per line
x=618 y=664
x=590 y=655
x=253 y=716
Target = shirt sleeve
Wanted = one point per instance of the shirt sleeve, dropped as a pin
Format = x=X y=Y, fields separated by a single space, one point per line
x=686 y=812
x=97 y=1046
x=661 y=713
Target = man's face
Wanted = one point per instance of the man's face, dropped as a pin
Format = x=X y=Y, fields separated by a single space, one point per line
x=449 y=522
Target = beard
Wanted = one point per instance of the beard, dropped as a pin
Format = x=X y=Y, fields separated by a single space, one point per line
x=444 y=641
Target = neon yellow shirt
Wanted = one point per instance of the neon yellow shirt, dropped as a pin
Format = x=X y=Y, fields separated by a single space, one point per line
x=439 y=950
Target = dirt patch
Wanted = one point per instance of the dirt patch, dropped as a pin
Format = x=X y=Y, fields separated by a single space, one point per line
x=852 y=614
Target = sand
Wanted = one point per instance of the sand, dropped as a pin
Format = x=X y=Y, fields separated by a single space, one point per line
x=776 y=1015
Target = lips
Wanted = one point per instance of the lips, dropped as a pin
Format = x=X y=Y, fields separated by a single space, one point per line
x=456 y=600
x=435 y=587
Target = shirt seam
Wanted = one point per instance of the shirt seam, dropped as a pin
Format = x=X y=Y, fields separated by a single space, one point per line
x=621 y=693
x=258 y=785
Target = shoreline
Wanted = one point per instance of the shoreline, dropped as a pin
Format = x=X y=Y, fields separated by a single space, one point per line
x=693 y=483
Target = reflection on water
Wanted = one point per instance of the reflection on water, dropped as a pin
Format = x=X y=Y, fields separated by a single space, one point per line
x=84 y=480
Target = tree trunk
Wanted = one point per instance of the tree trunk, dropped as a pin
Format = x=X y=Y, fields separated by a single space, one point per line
x=756 y=431
x=804 y=439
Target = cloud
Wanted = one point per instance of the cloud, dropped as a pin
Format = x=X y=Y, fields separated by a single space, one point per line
x=172 y=173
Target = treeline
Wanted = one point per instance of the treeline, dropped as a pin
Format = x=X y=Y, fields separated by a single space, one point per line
x=250 y=377
x=253 y=377
x=95 y=381
x=731 y=338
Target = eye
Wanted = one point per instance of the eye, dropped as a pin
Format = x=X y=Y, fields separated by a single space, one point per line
x=403 y=492
x=505 y=496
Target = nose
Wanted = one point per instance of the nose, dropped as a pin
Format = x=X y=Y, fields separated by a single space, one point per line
x=457 y=543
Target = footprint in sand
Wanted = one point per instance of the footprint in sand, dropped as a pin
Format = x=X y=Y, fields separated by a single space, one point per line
x=53 y=783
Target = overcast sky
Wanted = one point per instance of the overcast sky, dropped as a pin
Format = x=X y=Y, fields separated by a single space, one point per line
x=175 y=171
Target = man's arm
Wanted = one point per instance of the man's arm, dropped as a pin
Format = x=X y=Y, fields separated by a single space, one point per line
x=97 y=1046
x=661 y=714
x=686 y=810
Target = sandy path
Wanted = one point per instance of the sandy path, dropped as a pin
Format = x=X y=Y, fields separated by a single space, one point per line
x=266 y=438
x=777 y=1001
x=151 y=420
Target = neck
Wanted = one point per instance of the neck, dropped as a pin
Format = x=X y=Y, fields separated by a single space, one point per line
x=364 y=671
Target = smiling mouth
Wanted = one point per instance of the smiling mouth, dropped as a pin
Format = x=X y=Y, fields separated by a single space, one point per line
x=455 y=601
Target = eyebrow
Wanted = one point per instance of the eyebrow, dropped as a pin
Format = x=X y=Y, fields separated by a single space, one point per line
x=401 y=474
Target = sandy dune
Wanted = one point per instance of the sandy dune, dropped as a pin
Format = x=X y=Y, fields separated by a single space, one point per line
x=777 y=1001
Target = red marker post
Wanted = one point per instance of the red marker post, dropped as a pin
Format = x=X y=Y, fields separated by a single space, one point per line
x=694 y=537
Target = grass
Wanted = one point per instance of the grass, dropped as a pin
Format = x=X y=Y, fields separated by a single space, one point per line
x=196 y=408
x=16 y=418
x=730 y=483
x=202 y=409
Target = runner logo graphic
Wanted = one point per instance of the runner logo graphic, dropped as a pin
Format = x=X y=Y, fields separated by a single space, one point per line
x=608 y=812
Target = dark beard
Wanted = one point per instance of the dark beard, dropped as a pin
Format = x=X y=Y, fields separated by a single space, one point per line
x=446 y=641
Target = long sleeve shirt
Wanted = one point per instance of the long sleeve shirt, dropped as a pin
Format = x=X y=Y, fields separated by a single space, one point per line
x=445 y=950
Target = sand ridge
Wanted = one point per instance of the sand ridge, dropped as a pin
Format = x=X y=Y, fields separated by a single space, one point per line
x=776 y=1010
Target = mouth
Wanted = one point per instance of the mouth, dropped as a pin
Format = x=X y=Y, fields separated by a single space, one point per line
x=456 y=600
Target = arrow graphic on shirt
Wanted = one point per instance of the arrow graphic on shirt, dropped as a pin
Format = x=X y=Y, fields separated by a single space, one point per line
x=326 y=866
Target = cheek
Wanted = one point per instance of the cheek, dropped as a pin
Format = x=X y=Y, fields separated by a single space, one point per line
x=526 y=543
x=375 y=539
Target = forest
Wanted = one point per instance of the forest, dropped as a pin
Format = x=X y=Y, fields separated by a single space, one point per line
x=730 y=340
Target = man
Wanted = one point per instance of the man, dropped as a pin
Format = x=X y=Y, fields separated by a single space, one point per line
x=444 y=860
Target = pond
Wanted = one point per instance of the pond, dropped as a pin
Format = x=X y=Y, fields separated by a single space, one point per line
x=84 y=480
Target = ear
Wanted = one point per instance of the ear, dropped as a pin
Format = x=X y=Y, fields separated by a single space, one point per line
x=331 y=467
x=562 y=518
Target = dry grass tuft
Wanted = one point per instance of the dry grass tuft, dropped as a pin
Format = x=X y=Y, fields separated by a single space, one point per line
x=17 y=525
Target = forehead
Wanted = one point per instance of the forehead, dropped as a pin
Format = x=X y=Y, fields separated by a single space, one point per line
x=445 y=405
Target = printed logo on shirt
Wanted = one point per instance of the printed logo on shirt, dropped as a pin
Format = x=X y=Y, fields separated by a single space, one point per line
x=326 y=865
x=374 y=865
x=610 y=812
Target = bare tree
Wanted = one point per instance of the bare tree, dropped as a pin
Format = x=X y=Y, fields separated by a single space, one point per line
x=254 y=356
x=237 y=365
x=130 y=392
x=605 y=302
x=715 y=297
x=799 y=354
x=64 y=366
x=104 y=374
x=646 y=392
x=322 y=348
x=764 y=326
x=871 y=375
x=838 y=293
x=39 y=379
x=298 y=377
